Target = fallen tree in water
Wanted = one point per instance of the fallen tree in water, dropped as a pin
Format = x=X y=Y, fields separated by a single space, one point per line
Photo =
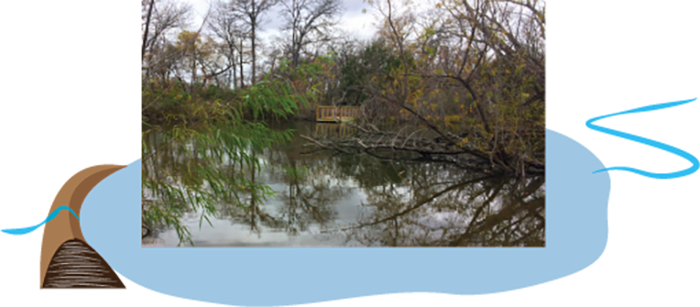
x=413 y=145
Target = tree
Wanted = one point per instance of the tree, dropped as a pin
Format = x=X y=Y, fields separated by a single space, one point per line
x=159 y=18
x=469 y=71
x=307 y=17
x=251 y=12
x=231 y=30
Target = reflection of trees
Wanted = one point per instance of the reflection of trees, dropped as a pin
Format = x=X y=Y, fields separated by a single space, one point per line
x=442 y=210
x=309 y=196
x=408 y=203
x=436 y=204
x=303 y=203
x=188 y=177
x=305 y=200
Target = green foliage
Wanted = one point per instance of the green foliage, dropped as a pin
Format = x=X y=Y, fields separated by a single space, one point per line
x=218 y=149
x=208 y=178
x=375 y=63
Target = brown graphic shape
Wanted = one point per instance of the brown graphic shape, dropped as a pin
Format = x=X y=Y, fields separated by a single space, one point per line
x=79 y=277
x=64 y=153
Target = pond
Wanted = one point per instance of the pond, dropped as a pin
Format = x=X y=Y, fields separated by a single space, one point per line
x=359 y=200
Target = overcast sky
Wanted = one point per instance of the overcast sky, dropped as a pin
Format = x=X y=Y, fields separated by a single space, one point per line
x=353 y=20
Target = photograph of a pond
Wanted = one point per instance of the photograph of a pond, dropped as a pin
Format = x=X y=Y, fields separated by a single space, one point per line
x=430 y=132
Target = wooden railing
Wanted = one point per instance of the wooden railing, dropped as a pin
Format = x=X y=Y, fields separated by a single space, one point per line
x=349 y=112
x=326 y=113
x=336 y=114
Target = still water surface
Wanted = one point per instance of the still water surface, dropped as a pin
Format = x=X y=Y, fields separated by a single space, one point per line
x=361 y=200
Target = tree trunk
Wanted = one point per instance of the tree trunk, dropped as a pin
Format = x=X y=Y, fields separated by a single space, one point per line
x=232 y=73
x=295 y=52
x=254 y=24
x=240 y=53
x=194 y=70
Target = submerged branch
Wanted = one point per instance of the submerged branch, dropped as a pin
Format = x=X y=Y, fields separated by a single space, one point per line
x=373 y=142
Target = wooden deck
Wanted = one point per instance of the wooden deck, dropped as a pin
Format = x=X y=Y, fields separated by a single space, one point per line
x=336 y=114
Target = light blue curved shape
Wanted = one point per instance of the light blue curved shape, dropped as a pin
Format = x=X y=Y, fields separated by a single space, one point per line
x=640 y=104
x=19 y=222
x=58 y=210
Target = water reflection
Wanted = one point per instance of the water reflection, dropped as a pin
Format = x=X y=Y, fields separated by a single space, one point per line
x=356 y=200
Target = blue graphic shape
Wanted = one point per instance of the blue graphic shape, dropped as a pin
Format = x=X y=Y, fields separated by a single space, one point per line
x=605 y=252
x=576 y=236
x=640 y=104
x=19 y=222
x=58 y=210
